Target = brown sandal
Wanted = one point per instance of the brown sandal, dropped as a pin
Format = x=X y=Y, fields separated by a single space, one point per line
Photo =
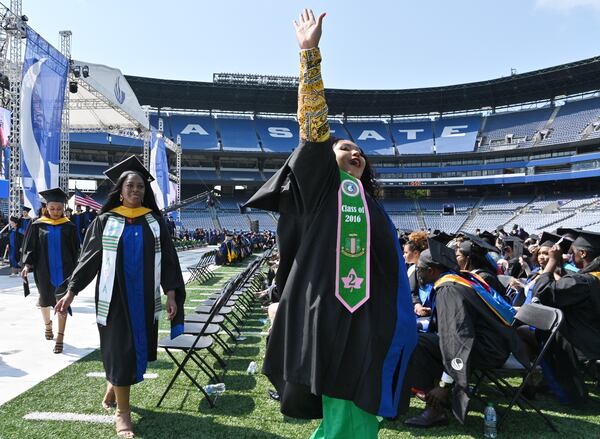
x=48 y=332
x=58 y=347
x=124 y=424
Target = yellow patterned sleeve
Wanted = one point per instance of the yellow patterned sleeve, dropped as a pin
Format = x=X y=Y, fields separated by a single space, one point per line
x=312 y=107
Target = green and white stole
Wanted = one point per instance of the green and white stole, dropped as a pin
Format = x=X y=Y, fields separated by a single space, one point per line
x=110 y=242
x=353 y=249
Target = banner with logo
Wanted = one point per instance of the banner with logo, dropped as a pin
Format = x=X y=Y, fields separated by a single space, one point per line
x=159 y=168
x=4 y=136
x=42 y=97
x=112 y=84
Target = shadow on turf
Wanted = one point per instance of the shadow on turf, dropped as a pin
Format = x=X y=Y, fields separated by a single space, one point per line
x=180 y=425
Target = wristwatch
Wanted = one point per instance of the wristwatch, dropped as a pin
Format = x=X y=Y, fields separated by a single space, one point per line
x=444 y=384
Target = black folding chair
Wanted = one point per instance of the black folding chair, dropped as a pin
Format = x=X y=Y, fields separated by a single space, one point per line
x=541 y=317
x=192 y=345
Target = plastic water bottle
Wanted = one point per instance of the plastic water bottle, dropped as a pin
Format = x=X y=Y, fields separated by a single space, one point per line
x=215 y=389
x=251 y=368
x=489 y=422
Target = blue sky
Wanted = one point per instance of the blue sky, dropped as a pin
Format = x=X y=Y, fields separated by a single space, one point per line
x=379 y=44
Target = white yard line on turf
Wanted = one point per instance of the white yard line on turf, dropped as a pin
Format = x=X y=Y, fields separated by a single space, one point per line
x=148 y=376
x=75 y=417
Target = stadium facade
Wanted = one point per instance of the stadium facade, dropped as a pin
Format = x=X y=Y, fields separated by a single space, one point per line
x=497 y=151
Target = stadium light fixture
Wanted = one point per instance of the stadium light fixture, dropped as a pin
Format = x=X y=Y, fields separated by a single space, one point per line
x=73 y=86
x=85 y=71
x=77 y=71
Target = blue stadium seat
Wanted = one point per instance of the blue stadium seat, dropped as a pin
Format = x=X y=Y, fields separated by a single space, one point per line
x=456 y=134
x=197 y=133
x=238 y=134
x=278 y=135
x=336 y=128
x=372 y=137
x=413 y=137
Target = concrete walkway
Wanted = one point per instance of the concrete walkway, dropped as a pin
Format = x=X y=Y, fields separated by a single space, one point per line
x=26 y=357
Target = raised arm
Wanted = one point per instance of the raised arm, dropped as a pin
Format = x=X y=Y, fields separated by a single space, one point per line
x=312 y=107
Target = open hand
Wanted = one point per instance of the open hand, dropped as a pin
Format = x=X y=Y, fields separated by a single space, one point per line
x=308 y=31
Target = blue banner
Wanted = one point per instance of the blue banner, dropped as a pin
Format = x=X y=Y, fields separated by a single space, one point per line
x=42 y=97
x=159 y=168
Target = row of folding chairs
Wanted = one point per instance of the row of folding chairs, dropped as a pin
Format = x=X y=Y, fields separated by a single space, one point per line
x=200 y=271
x=218 y=316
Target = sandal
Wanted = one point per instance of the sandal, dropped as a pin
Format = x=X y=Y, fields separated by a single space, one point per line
x=124 y=424
x=58 y=347
x=48 y=331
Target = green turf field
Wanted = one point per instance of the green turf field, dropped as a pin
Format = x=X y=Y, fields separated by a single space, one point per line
x=244 y=411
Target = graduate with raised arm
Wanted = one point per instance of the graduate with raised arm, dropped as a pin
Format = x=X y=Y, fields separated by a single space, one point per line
x=129 y=249
x=345 y=326
x=50 y=251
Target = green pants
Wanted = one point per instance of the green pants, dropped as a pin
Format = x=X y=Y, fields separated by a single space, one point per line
x=344 y=420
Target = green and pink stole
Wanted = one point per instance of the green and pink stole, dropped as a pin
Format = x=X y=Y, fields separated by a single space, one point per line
x=353 y=249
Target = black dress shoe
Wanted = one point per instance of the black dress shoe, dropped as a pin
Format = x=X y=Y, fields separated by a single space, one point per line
x=429 y=418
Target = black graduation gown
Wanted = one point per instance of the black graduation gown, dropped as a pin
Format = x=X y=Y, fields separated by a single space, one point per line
x=469 y=337
x=577 y=295
x=317 y=347
x=117 y=343
x=35 y=253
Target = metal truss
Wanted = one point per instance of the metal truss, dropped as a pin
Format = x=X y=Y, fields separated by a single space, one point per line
x=63 y=172
x=14 y=27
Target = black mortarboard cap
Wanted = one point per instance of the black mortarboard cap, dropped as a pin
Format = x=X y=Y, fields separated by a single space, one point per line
x=54 y=195
x=572 y=234
x=488 y=237
x=442 y=237
x=442 y=255
x=131 y=163
x=587 y=241
x=25 y=208
x=481 y=243
x=14 y=219
x=549 y=239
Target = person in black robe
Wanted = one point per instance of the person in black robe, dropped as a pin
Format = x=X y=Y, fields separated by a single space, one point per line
x=24 y=221
x=320 y=356
x=13 y=246
x=129 y=338
x=577 y=295
x=475 y=255
x=50 y=251
x=469 y=336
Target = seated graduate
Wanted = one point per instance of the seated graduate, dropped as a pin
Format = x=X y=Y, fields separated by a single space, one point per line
x=417 y=242
x=578 y=296
x=477 y=256
x=540 y=255
x=515 y=253
x=473 y=332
